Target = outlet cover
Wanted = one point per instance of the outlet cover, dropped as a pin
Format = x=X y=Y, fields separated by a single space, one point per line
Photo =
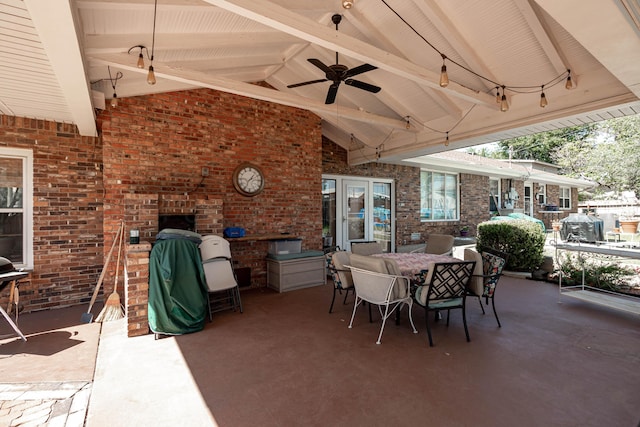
x=205 y=171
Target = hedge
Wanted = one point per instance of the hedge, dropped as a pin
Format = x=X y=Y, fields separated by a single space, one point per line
x=523 y=240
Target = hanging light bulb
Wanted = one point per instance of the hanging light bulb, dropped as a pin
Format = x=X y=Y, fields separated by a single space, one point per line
x=140 y=63
x=569 y=84
x=347 y=4
x=543 y=98
x=114 y=82
x=446 y=141
x=504 y=105
x=151 y=76
x=408 y=124
x=444 y=77
x=498 y=99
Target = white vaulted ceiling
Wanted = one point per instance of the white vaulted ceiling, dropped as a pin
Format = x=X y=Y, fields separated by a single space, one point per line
x=52 y=50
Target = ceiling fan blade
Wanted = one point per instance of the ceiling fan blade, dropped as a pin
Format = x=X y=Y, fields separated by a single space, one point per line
x=362 y=85
x=360 y=69
x=331 y=95
x=320 y=65
x=307 y=83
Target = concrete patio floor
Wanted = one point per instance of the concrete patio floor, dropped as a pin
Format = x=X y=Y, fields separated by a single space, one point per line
x=286 y=361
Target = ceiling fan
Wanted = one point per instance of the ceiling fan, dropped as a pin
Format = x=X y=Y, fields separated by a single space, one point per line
x=338 y=73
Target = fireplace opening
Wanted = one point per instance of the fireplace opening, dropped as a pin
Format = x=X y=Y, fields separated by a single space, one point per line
x=179 y=222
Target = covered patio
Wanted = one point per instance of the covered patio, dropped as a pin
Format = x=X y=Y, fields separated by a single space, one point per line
x=287 y=361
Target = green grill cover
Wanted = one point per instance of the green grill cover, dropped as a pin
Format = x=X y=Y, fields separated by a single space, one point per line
x=177 y=288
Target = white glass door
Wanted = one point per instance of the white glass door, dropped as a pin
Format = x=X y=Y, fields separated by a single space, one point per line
x=356 y=215
x=528 y=198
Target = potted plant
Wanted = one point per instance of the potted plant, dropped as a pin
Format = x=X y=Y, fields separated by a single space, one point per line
x=464 y=231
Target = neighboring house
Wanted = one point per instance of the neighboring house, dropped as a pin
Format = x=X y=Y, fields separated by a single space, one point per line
x=65 y=194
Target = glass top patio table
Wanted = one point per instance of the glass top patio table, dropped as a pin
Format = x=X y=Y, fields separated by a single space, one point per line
x=411 y=264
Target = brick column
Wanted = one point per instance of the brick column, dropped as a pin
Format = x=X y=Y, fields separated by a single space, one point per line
x=136 y=288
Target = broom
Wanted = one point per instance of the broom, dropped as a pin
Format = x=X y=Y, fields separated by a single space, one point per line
x=112 y=309
x=88 y=317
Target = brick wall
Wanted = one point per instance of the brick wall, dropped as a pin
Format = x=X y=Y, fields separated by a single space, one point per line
x=67 y=213
x=158 y=144
x=474 y=207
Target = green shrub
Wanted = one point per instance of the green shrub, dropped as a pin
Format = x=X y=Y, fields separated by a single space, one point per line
x=599 y=272
x=523 y=240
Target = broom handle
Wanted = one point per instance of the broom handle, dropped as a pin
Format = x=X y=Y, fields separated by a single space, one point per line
x=115 y=284
x=104 y=269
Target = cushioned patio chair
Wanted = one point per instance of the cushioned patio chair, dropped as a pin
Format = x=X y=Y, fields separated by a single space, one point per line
x=389 y=292
x=438 y=244
x=341 y=275
x=366 y=248
x=445 y=288
x=487 y=272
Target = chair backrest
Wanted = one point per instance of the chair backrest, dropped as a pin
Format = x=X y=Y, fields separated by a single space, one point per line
x=492 y=266
x=477 y=281
x=213 y=246
x=219 y=274
x=383 y=266
x=440 y=244
x=377 y=288
x=341 y=274
x=366 y=248
x=448 y=280
x=370 y=263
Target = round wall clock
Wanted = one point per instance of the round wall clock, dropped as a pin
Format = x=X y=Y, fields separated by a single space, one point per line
x=248 y=179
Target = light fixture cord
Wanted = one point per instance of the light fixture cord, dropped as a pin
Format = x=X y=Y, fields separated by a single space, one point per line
x=551 y=83
x=114 y=80
x=153 y=36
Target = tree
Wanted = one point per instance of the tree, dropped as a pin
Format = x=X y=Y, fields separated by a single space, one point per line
x=607 y=152
x=542 y=146
x=611 y=159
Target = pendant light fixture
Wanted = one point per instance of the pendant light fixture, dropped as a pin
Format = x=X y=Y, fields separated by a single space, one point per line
x=151 y=76
x=408 y=122
x=444 y=77
x=498 y=99
x=347 y=4
x=504 y=104
x=114 y=82
x=140 y=63
x=569 y=84
x=543 y=98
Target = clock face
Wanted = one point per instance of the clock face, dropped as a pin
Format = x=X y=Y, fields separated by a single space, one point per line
x=248 y=179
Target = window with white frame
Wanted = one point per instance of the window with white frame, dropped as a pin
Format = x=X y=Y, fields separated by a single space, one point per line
x=565 y=198
x=439 y=197
x=16 y=199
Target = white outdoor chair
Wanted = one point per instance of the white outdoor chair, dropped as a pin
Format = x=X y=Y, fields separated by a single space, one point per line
x=218 y=271
x=388 y=292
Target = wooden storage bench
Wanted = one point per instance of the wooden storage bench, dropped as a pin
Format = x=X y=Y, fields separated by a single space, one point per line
x=288 y=272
